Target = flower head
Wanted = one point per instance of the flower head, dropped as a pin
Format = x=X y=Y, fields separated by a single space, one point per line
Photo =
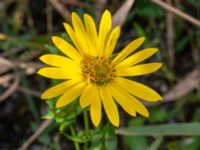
x=90 y=72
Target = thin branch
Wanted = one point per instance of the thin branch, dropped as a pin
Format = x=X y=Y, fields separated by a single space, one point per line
x=177 y=12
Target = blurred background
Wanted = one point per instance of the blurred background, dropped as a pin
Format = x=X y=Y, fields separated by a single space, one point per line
x=173 y=26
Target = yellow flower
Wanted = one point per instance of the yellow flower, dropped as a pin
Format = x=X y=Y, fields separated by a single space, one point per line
x=90 y=72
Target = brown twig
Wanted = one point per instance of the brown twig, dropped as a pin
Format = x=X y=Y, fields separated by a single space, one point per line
x=170 y=36
x=177 y=12
x=33 y=137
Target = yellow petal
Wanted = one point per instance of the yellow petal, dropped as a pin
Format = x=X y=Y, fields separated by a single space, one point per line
x=82 y=36
x=70 y=95
x=77 y=23
x=139 y=69
x=66 y=48
x=104 y=29
x=137 y=57
x=109 y=106
x=131 y=47
x=112 y=41
x=92 y=33
x=88 y=95
x=59 y=61
x=58 y=73
x=138 y=106
x=121 y=98
x=59 y=89
x=78 y=42
x=137 y=89
x=95 y=109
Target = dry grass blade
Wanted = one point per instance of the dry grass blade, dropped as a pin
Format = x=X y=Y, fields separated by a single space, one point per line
x=29 y=67
x=184 y=87
x=32 y=138
x=11 y=89
x=170 y=37
x=2 y=36
x=8 y=1
x=5 y=82
x=74 y=2
x=177 y=12
x=19 y=13
x=189 y=83
x=10 y=52
x=5 y=65
x=4 y=62
x=121 y=14
x=29 y=91
x=61 y=10
x=6 y=78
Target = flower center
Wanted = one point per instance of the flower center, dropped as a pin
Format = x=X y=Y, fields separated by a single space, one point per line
x=97 y=70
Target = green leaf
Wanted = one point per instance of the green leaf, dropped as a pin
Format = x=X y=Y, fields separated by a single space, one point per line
x=49 y=115
x=67 y=38
x=136 y=143
x=181 y=129
x=155 y=145
x=158 y=114
x=111 y=139
x=52 y=49
x=139 y=30
x=181 y=44
x=79 y=139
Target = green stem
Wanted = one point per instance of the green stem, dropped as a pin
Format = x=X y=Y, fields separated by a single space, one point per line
x=86 y=125
x=77 y=147
x=86 y=122
x=103 y=139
